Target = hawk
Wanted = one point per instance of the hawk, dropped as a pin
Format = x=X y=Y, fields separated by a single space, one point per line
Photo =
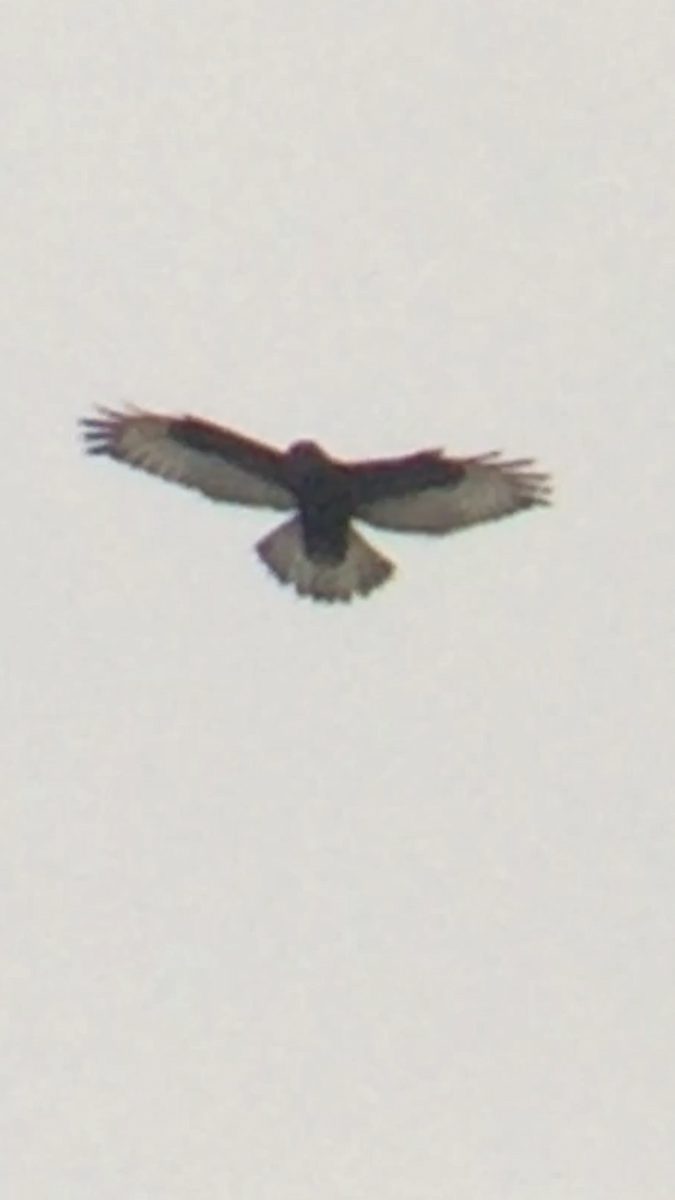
x=318 y=551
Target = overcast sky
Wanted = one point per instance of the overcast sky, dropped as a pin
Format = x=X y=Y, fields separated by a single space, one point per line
x=360 y=903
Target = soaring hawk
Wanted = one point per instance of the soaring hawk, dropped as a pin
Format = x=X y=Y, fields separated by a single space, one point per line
x=318 y=551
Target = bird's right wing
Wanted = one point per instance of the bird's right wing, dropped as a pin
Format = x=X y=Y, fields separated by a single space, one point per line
x=428 y=493
x=221 y=464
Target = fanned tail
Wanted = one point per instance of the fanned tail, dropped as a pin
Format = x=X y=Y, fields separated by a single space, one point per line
x=361 y=570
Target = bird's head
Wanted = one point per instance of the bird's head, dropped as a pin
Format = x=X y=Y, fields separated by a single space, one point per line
x=308 y=451
x=303 y=458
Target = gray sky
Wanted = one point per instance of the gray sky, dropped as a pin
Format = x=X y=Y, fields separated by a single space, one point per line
x=361 y=904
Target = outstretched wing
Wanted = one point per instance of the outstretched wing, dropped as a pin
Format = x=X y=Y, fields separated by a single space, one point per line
x=197 y=454
x=427 y=493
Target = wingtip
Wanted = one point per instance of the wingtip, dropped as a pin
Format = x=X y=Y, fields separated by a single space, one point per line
x=97 y=431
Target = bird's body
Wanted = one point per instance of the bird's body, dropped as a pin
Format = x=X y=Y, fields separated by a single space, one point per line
x=324 y=496
x=318 y=551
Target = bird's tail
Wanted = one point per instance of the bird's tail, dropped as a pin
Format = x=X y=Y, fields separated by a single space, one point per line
x=361 y=570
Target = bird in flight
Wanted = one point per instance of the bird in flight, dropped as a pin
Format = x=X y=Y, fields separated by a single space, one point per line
x=318 y=551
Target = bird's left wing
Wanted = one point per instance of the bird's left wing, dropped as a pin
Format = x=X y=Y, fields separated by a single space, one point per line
x=197 y=454
x=427 y=493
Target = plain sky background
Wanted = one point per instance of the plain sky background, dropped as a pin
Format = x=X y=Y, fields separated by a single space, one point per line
x=371 y=903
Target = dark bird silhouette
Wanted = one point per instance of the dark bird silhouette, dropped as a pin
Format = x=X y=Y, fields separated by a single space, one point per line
x=318 y=551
